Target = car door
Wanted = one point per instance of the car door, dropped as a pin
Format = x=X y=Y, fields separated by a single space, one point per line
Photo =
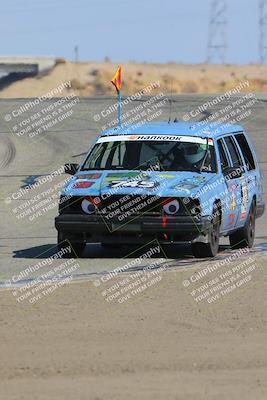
x=230 y=192
x=251 y=176
x=237 y=185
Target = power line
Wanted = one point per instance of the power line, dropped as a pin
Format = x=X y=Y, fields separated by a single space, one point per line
x=217 y=41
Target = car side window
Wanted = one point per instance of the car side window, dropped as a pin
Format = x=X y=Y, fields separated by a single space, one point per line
x=247 y=153
x=234 y=152
x=223 y=156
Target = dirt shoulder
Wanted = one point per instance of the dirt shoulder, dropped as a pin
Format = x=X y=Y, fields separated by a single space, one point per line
x=163 y=345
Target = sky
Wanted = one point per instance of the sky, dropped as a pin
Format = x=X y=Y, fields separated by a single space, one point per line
x=155 y=31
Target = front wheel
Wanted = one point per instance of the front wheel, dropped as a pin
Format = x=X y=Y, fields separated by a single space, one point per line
x=68 y=248
x=210 y=249
x=245 y=236
x=110 y=246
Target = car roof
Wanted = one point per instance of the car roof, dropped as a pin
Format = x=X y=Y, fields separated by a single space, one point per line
x=211 y=130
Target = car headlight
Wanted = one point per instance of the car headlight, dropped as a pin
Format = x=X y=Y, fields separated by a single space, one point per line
x=171 y=207
x=88 y=206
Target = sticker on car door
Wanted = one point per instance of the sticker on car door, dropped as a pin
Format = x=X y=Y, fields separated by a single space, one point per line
x=244 y=199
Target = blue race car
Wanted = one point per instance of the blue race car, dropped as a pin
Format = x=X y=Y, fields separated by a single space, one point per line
x=172 y=182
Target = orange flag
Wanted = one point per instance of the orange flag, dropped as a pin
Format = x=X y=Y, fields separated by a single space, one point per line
x=116 y=80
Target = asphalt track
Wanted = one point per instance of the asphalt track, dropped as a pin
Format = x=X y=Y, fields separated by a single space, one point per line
x=25 y=160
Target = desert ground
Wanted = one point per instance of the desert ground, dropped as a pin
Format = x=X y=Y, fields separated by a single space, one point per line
x=93 y=78
x=162 y=346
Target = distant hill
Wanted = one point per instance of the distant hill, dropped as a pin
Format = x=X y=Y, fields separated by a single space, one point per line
x=93 y=79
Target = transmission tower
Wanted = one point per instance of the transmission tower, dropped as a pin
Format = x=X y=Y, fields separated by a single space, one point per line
x=217 y=42
x=263 y=31
x=76 y=53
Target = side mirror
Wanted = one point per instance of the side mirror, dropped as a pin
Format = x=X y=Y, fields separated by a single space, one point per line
x=71 y=169
x=232 y=172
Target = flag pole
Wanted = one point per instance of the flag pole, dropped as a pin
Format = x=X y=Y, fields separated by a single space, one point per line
x=119 y=107
x=116 y=81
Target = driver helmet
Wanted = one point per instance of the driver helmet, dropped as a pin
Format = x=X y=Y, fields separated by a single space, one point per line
x=193 y=152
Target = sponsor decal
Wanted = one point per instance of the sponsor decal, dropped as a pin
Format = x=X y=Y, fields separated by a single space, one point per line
x=186 y=187
x=232 y=188
x=172 y=138
x=133 y=184
x=123 y=175
x=189 y=184
x=82 y=185
x=143 y=174
x=231 y=219
x=233 y=206
x=244 y=203
x=166 y=175
x=89 y=176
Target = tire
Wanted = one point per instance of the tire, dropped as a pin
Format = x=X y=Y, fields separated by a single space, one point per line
x=245 y=236
x=210 y=249
x=77 y=248
x=110 y=246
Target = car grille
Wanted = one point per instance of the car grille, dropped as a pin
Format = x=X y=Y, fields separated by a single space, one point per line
x=131 y=204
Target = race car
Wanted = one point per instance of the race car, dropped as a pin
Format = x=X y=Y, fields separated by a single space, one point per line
x=173 y=182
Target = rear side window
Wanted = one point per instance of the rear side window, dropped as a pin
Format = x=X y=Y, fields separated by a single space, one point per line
x=247 y=153
x=234 y=152
x=223 y=157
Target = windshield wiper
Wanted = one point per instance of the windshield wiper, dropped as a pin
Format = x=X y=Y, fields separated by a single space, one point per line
x=103 y=169
x=96 y=169
x=117 y=167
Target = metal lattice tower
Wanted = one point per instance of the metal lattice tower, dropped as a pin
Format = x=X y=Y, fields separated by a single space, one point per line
x=263 y=31
x=76 y=53
x=217 y=42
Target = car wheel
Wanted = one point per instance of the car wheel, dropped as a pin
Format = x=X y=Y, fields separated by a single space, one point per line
x=110 y=246
x=210 y=249
x=244 y=237
x=77 y=248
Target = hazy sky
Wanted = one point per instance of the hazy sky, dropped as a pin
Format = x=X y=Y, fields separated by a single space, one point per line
x=141 y=30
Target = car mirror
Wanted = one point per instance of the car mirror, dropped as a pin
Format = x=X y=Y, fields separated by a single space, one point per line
x=71 y=169
x=232 y=172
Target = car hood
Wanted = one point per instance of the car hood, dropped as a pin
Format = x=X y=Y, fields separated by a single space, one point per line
x=160 y=183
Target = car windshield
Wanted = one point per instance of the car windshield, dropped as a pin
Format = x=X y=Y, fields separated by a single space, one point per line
x=169 y=155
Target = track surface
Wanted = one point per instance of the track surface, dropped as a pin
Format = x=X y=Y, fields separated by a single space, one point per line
x=162 y=343
x=25 y=160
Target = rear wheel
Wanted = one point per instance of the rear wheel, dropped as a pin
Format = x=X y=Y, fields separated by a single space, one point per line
x=70 y=248
x=210 y=249
x=244 y=237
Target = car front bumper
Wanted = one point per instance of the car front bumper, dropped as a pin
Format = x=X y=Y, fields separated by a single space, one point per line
x=94 y=228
